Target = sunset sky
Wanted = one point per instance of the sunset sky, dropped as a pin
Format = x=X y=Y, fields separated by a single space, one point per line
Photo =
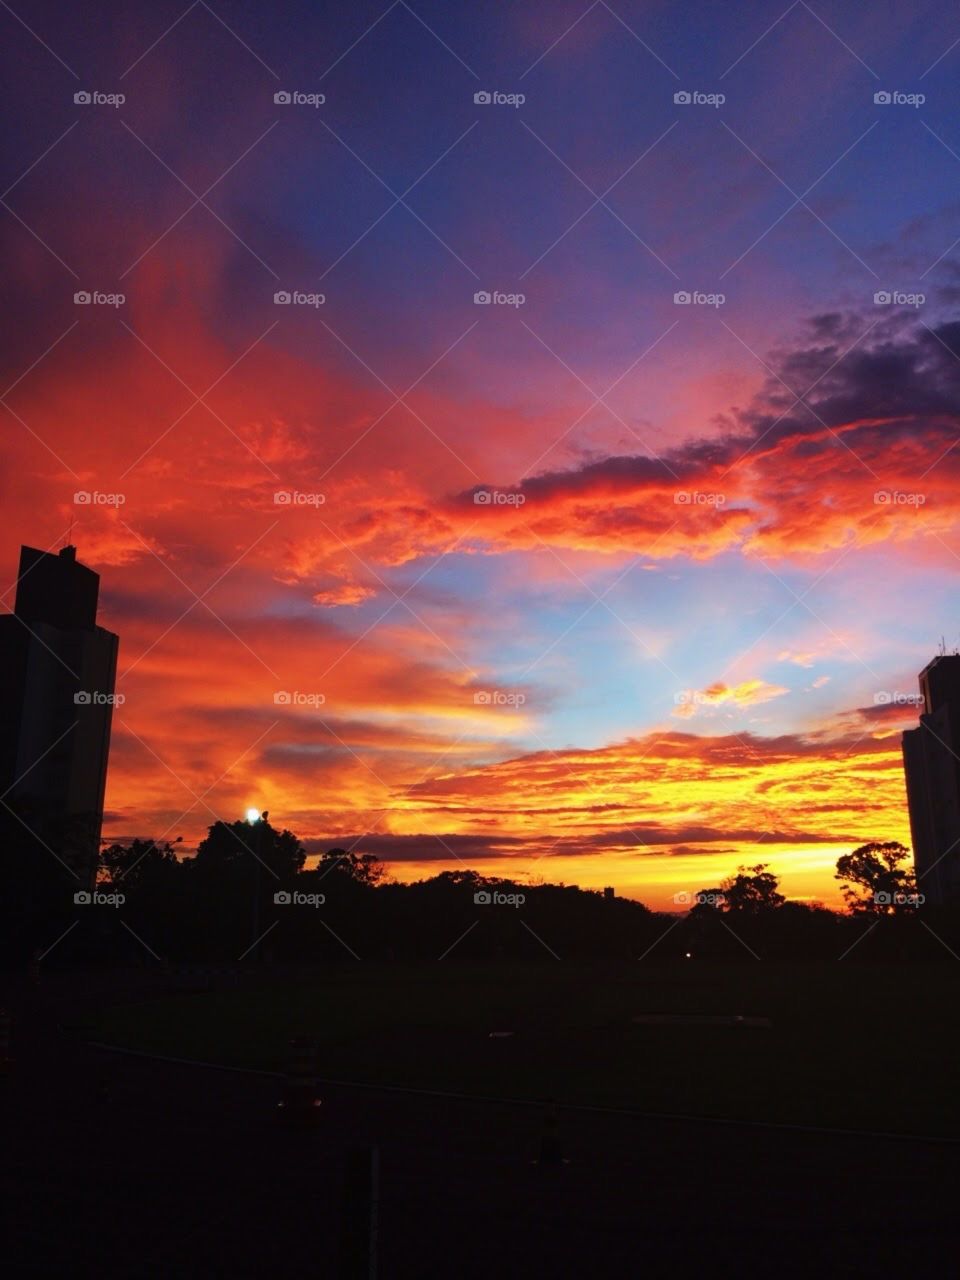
x=684 y=631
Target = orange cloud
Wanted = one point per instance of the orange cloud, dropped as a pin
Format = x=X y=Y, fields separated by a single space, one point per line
x=650 y=805
x=799 y=659
x=746 y=694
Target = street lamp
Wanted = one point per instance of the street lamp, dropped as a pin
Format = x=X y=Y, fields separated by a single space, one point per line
x=257 y=820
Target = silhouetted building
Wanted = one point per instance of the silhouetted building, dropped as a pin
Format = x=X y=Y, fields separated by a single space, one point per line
x=57 y=676
x=931 y=760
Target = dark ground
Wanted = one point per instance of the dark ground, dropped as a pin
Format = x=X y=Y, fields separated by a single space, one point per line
x=122 y=1166
x=841 y=1046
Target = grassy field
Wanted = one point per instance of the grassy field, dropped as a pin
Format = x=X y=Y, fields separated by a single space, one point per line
x=852 y=1047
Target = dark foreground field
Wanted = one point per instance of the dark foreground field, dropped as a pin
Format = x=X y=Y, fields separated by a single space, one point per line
x=846 y=1046
x=121 y=1165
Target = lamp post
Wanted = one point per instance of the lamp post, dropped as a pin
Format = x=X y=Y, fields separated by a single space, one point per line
x=256 y=819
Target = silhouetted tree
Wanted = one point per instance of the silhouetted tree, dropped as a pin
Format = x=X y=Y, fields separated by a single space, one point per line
x=137 y=862
x=707 y=902
x=875 y=882
x=364 y=868
x=216 y=904
x=752 y=889
x=231 y=844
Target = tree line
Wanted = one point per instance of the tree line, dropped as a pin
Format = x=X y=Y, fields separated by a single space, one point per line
x=248 y=897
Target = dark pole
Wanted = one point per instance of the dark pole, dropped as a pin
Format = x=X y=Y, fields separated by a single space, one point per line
x=257 y=884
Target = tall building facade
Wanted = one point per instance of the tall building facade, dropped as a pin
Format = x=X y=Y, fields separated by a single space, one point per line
x=931 y=761
x=57 y=680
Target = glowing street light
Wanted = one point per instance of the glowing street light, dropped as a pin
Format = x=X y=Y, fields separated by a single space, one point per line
x=257 y=819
